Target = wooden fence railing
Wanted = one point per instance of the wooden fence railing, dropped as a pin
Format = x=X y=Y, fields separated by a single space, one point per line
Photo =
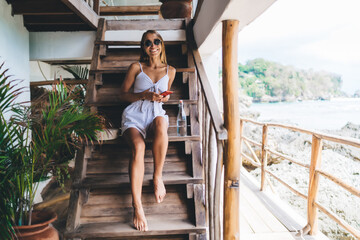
x=314 y=170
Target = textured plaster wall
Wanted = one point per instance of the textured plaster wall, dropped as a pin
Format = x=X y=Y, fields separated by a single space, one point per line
x=14 y=47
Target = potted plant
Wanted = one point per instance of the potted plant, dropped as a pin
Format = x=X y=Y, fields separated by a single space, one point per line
x=36 y=142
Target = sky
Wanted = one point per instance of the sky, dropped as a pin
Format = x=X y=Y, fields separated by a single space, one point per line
x=308 y=34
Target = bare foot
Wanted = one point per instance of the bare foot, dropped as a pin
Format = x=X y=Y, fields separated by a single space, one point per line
x=140 y=222
x=159 y=189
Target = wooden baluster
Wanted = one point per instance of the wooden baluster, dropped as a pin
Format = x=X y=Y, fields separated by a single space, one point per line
x=212 y=147
x=96 y=7
x=219 y=181
x=263 y=157
x=231 y=119
x=316 y=149
x=241 y=139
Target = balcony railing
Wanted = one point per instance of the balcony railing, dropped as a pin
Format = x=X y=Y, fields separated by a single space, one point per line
x=315 y=170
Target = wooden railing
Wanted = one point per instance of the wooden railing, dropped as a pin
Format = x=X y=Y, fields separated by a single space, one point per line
x=314 y=170
x=213 y=136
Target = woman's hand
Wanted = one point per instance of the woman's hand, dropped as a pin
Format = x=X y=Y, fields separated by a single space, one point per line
x=151 y=96
x=165 y=99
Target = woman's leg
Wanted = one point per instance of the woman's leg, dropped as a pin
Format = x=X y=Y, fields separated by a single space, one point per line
x=160 y=145
x=136 y=172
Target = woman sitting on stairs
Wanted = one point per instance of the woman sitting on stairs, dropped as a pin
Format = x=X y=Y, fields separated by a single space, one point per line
x=149 y=77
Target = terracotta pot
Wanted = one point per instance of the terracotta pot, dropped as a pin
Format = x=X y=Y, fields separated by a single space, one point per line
x=40 y=229
x=176 y=8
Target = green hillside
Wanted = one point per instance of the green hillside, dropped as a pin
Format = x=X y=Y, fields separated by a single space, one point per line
x=270 y=81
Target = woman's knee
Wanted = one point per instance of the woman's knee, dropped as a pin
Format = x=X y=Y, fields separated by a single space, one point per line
x=160 y=125
x=138 y=147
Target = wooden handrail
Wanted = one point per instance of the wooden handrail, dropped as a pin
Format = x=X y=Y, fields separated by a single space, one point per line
x=216 y=117
x=67 y=82
x=315 y=171
x=251 y=141
x=287 y=185
x=339 y=182
x=338 y=220
x=287 y=158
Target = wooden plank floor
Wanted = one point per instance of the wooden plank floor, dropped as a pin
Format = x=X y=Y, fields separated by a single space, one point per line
x=263 y=216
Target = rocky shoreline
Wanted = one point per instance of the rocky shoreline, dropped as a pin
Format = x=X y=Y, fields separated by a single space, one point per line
x=339 y=160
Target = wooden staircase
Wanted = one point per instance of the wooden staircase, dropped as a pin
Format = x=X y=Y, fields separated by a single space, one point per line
x=100 y=203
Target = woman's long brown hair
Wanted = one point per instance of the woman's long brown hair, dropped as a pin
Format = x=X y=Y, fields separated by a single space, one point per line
x=143 y=56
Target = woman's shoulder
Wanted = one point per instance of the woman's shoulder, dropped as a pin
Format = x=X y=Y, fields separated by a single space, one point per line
x=172 y=69
x=134 y=66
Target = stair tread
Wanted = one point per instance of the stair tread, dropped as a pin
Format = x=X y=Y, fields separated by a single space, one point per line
x=120 y=140
x=124 y=70
x=104 y=104
x=157 y=227
x=133 y=43
x=116 y=180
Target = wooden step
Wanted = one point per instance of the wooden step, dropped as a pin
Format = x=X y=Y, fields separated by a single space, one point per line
x=119 y=180
x=121 y=104
x=157 y=227
x=146 y=24
x=171 y=139
x=118 y=164
x=133 y=43
x=125 y=69
x=118 y=153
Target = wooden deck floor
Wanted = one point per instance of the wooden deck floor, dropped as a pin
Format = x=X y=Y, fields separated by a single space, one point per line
x=265 y=217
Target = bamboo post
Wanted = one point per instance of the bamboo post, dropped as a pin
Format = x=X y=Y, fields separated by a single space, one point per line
x=263 y=157
x=316 y=149
x=212 y=147
x=241 y=139
x=218 y=190
x=231 y=119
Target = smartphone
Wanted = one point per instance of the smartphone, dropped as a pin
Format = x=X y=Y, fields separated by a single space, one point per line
x=164 y=94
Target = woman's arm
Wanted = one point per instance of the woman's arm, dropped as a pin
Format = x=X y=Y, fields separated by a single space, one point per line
x=126 y=96
x=172 y=73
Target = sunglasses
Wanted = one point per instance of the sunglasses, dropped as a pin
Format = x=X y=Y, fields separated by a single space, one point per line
x=148 y=43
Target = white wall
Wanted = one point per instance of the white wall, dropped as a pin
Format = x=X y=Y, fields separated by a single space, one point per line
x=212 y=63
x=41 y=71
x=14 y=47
x=61 y=45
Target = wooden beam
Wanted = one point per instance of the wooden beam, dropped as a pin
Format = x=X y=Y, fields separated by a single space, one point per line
x=129 y=10
x=52 y=19
x=96 y=7
x=168 y=24
x=68 y=82
x=231 y=119
x=68 y=62
x=84 y=11
x=40 y=8
x=57 y=27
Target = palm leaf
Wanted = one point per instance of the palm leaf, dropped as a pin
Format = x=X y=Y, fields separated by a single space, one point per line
x=79 y=72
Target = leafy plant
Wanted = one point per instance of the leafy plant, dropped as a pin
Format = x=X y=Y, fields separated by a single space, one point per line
x=35 y=142
x=79 y=72
x=9 y=149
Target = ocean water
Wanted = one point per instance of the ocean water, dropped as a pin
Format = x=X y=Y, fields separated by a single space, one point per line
x=316 y=115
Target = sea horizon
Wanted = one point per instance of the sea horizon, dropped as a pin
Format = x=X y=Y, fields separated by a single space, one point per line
x=330 y=114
